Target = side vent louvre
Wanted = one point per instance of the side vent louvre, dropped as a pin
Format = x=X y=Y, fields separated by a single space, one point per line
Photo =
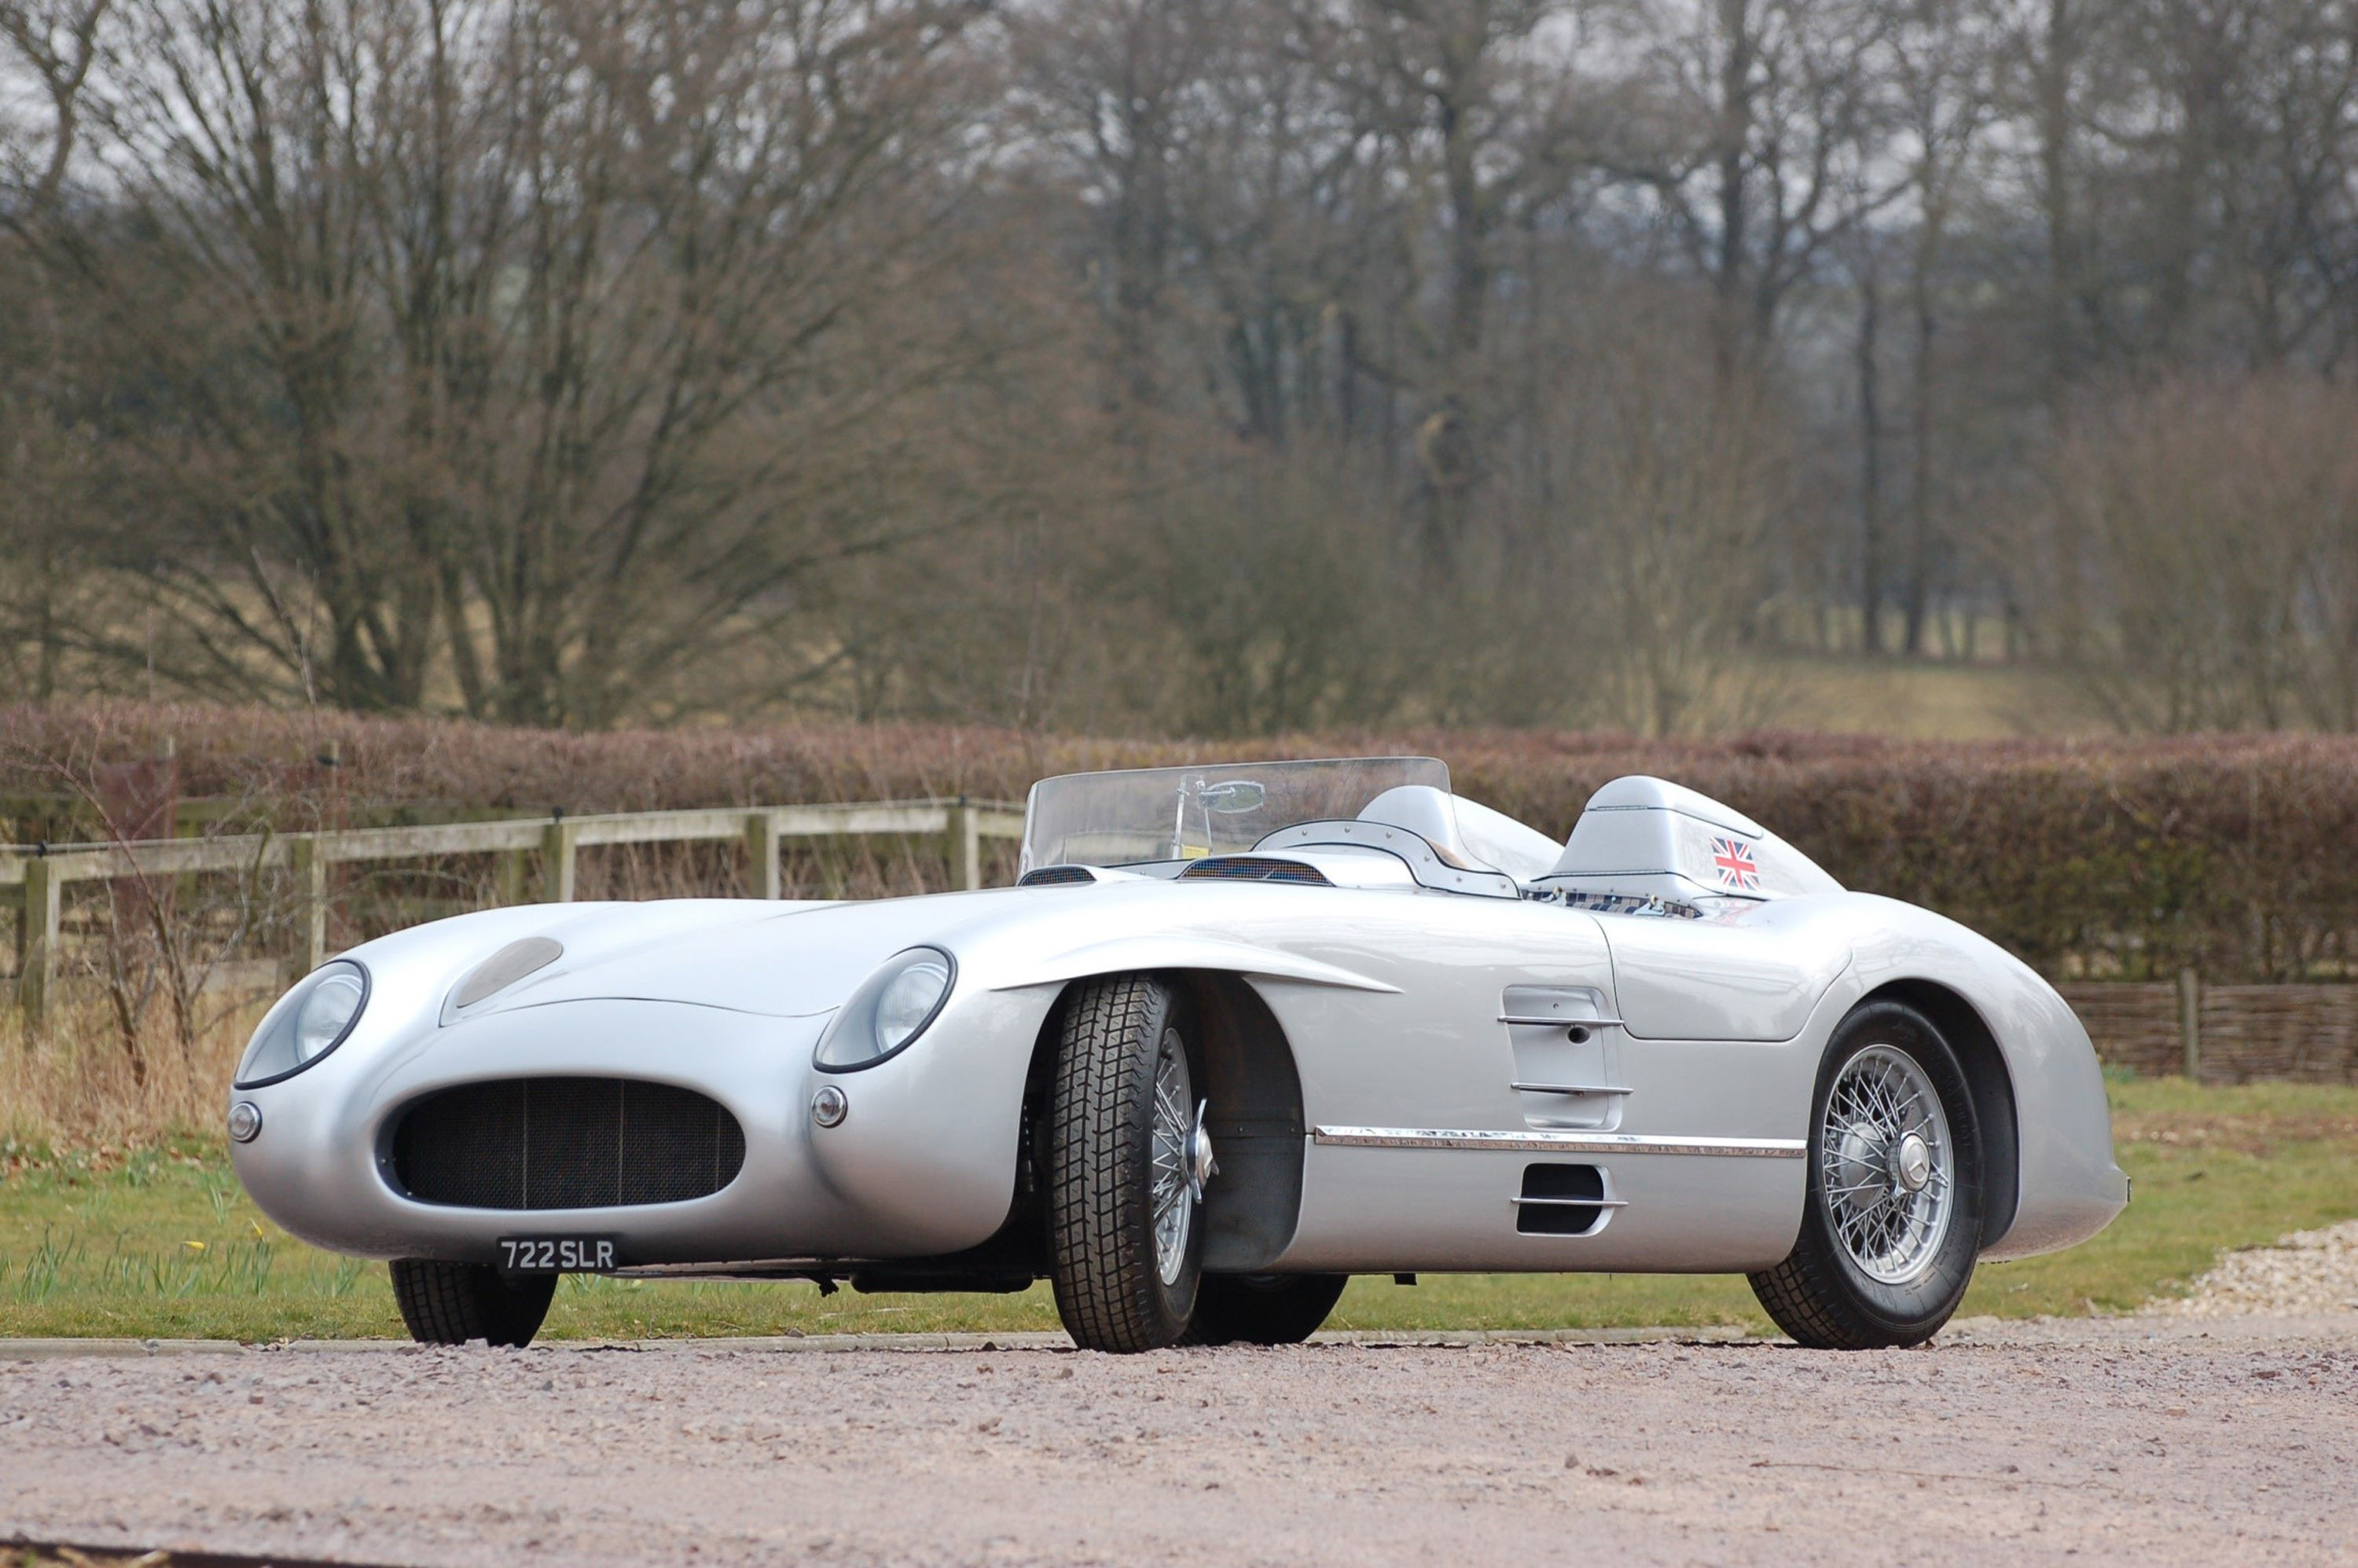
x=1253 y=868
x=1560 y=1200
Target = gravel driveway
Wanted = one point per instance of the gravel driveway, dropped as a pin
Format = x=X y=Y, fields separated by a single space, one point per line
x=2142 y=1440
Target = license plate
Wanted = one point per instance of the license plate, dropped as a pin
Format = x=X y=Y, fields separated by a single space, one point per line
x=557 y=1254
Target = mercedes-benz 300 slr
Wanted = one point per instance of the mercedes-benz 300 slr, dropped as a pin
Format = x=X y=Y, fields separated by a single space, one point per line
x=1239 y=1033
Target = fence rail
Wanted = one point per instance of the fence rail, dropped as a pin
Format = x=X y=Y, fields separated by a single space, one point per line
x=2223 y=1035
x=42 y=871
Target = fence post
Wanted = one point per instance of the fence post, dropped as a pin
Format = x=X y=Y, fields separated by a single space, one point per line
x=510 y=874
x=37 y=978
x=762 y=879
x=311 y=877
x=966 y=847
x=2190 y=1022
x=558 y=844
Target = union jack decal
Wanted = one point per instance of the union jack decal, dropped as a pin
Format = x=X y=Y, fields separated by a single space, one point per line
x=1733 y=860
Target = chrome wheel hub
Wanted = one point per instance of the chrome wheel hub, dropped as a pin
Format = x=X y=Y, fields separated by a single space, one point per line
x=1179 y=1149
x=1201 y=1166
x=1912 y=1165
x=1887 y=1165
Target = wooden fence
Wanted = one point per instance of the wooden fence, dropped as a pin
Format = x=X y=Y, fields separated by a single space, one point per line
x=41 y=872
x=2224 y=1034
x=2218 y=1033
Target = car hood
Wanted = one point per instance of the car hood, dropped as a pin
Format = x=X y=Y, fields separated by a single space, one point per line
x=795 y=961
x=802 y=960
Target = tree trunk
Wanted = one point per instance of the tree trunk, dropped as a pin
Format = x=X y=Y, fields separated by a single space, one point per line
x=1920 y=487
x=1871 y=465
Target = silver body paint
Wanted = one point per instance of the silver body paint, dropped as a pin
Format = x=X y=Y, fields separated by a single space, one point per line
x=1392 y=999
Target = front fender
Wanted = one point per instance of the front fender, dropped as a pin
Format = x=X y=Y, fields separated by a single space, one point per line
x=1134 y=955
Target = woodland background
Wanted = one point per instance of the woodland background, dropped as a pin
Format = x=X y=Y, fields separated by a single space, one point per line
x=1228 y=367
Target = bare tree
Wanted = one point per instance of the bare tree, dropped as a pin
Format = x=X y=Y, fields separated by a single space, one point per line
x=1481 y=116
x=534 y=351
x=2221 y=516
x=1111 y=90
x=727 y=225
x=1765 y=99
x=1940 y=61
x=1238 y=364
x=1657 y=565
x=44 y=458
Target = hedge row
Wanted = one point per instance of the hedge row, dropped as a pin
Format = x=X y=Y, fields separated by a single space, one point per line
x=2237 y=854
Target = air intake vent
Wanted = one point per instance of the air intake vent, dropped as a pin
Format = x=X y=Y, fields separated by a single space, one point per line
x=1253 y=868
x=541 y=1144
x=1560 y=1200
x=1057 y=876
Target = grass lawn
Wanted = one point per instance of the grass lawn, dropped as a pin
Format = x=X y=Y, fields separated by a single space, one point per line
x=1923 y=701
x=160 y=1243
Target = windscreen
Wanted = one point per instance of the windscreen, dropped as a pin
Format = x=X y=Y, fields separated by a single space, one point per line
x=1145 y=815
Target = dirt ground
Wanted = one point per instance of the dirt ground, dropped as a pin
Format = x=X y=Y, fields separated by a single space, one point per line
x=2152 y=1440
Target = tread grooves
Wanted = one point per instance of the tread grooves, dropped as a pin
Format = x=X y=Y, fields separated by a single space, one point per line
x=1101 y=1226
x=450 y=1304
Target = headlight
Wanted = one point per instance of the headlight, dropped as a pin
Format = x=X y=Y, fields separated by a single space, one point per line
x=891 y=1008
x=308 y=1021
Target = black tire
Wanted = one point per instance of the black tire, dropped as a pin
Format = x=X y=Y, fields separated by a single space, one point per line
x=1821 y=1294
x=1264 y=1309
x=450 y=1304
x=1100 y=1159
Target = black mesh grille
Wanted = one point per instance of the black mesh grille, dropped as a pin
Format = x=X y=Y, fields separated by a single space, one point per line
x=532 y=1144
x=1254 y=869
x=1056 y=876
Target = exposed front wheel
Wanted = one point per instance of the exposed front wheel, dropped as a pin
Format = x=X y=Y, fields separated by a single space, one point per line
x=450 y=1304
x=1264 y=1309
x=1893 y=1215
x=1127 y=1158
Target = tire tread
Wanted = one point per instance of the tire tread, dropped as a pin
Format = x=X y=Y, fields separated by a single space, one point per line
x=1231 y=1311
x=450 y=1304
x=1100 y=1226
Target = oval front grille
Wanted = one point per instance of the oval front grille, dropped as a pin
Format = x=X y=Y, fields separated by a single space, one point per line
x=540 y=1143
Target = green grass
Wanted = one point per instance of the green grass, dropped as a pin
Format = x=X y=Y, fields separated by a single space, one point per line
x=162 y=1244
x=1918 y=699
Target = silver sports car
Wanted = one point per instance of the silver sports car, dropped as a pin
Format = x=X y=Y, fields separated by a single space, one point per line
x=1240 y=1032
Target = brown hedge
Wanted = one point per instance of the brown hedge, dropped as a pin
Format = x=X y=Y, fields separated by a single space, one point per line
x=2091 y=858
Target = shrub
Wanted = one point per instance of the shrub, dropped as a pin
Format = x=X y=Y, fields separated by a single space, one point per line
x=2100 y=858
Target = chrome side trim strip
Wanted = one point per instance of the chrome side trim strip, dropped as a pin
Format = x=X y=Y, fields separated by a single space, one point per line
x=1571 y=1089
x=1537 y=1022
x=1559 y=1142
x=1573 y=1203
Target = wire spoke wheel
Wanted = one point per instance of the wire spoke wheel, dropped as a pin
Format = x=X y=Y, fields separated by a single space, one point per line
x=1173 y=1198
x=1893 y=1199
x=1888 y=1164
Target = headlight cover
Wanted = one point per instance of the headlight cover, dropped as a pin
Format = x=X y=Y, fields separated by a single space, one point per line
x=308 y=1021
x=517 y=962
x=891 y=1008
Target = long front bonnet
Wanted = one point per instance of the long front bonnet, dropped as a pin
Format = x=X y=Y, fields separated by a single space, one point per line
x=726 y=998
